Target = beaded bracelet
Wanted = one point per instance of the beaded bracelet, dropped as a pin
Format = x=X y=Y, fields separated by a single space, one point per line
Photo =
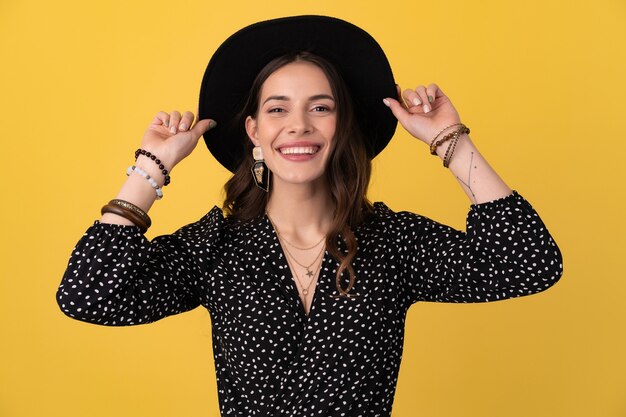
x=433 y=147
x=451 y=148
x=450 y=151
x=127 y=214
x=156 y=161
x=151 y=180
x=130 y=206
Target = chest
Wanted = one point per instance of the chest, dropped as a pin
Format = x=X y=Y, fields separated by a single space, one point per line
x=255 y=300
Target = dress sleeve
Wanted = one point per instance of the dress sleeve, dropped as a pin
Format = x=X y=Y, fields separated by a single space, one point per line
x=506 y=252
x=116 y=277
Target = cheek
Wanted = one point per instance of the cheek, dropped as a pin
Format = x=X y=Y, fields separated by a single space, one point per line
x=265 y=136
x=330 y=132
x=269 y=128
x=329 y=126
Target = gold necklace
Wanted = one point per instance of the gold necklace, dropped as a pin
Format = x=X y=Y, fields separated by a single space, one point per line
x=309 y=273
x=305 y=291
x=288 y=242
x=296 y=247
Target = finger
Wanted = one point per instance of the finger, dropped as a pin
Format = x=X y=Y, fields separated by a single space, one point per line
x=400 y=98
x=423 y=96
x=186 y=121
x=161 y=118
x=398 y=110
x=174 y=120
x=411 y=97
x=201 y=127
x=433 y=92
x=156 y=121
x=439 y=91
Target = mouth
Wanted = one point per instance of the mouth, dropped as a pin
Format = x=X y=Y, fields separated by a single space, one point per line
x=299 y=150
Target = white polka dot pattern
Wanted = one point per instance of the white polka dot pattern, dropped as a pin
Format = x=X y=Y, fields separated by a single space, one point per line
x=270 y=358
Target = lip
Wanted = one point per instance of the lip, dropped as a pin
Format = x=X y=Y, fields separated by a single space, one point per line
x=299 y=156
x=298 y=143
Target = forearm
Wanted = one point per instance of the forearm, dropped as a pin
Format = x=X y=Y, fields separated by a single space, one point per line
x=423 y=112
x=137 y=190
x=477 y=178
x=170 y=137
x=506 y=252
x=116 y=277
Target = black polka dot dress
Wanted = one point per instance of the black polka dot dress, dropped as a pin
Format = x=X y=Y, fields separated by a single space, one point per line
x=271 y=359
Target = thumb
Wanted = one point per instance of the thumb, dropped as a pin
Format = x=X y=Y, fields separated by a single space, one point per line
x=397 y=109
x=201 y=127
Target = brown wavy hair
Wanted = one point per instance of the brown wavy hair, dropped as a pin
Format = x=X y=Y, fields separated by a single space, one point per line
x=347 y=172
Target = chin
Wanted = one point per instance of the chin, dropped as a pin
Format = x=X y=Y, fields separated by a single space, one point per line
x=299 y=178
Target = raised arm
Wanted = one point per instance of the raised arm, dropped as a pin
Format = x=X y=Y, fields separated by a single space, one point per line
x=426 y=113
x=115 y=276
x=171 y=138
x=506 y=251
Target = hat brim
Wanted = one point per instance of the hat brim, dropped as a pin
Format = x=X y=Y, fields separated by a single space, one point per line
x=234 y=66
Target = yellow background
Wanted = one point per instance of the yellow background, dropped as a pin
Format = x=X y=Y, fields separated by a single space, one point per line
x=540 y=83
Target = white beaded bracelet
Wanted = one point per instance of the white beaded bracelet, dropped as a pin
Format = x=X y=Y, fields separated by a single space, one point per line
x=151 y=180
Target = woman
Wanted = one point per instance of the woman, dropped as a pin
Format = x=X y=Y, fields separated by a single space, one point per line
x=306 y=282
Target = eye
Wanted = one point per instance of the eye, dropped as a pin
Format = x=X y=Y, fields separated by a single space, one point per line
x=275 y=110
x=321 y=108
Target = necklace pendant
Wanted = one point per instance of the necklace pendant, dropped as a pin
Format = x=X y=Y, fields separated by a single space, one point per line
x=305 y=291
x=309 y=273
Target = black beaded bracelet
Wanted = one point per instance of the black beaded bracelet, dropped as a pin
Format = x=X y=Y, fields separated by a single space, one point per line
x=156 y=160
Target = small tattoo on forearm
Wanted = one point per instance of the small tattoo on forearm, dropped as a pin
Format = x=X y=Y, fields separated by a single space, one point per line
x=469 y=179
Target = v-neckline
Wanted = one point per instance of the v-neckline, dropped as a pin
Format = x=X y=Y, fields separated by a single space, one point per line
x=292 y=287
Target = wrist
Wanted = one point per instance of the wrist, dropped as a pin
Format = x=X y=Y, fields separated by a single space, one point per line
x=157 y=168
x=443 y=138
x=151 y=168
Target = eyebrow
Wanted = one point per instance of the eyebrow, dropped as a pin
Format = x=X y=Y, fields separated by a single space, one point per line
x=312 y=98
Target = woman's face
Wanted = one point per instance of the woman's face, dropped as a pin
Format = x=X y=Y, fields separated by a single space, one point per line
x=295 y=123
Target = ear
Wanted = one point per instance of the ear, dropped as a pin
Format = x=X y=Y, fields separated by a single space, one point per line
x=251 y=130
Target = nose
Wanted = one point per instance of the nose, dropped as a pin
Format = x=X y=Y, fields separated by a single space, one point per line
x=299 y=123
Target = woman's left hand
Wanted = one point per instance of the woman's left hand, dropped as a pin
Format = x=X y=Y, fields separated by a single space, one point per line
x=424 y=112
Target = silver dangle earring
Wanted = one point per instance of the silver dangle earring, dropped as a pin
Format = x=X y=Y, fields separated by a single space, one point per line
x=260 y=171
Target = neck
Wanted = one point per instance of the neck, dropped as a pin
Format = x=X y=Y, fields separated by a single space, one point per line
x=301 y=213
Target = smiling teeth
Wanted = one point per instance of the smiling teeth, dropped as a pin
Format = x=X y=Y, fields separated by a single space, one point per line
x=309 y=150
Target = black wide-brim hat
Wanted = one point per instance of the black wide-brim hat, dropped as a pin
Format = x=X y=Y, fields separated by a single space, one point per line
x=358 y=58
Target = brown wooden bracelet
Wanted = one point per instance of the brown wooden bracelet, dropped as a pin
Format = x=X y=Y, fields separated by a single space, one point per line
x=125 y=213
x=433 y=147
x=130 y=206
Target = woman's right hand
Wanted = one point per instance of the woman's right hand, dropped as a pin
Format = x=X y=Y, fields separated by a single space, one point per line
x=170 y=137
